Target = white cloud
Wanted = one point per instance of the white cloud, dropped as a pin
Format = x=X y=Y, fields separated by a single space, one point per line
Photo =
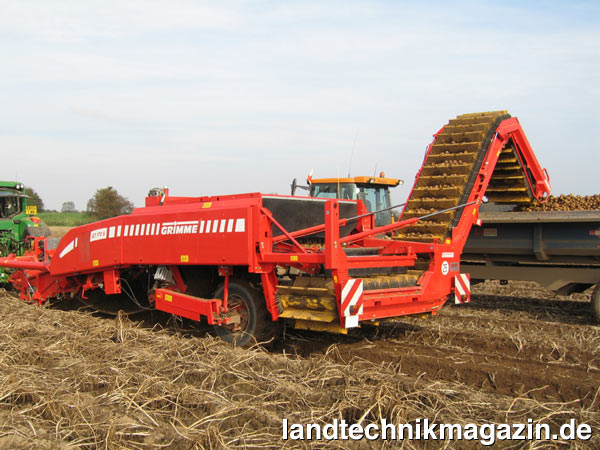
x=72 y=21
x=193 y=92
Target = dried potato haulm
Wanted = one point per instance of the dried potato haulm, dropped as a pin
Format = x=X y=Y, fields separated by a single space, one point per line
x=72 y=380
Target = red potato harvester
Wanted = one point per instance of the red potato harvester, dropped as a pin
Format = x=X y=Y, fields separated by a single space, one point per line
x=244 y=262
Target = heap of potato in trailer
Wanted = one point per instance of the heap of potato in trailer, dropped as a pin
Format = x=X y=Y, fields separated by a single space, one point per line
x=566 y=202
x=244 y=262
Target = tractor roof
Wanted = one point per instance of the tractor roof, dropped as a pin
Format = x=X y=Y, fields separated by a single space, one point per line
x=359 y=180
x=11 y=184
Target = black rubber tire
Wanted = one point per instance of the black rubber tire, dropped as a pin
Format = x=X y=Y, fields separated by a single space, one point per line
x=259 y=328
x=596 y=303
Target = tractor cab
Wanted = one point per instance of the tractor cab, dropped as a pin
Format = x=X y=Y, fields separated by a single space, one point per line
x=373 y=191
x=12 y=202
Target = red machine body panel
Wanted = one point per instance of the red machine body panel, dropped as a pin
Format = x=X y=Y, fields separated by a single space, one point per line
x=203 y=233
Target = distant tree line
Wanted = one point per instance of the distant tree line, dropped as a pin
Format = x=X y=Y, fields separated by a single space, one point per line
x=105 y=203
x=34 y=198
x=68 y=207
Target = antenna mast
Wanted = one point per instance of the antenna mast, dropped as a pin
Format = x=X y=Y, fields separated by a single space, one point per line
x=352 y=154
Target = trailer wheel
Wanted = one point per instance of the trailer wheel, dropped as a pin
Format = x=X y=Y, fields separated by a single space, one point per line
x=596 y=303
x=255 y=321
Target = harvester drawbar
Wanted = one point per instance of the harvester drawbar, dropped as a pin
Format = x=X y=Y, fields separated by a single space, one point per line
x=243 y=262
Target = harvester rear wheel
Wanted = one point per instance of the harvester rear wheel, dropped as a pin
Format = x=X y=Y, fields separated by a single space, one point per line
x=596 y=303
x=255 y=323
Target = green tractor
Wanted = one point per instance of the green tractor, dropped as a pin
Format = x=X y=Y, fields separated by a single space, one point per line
x=18 y=221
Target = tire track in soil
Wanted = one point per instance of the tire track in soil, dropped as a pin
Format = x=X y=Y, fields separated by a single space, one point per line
x=471 y=342
x=545 y=310
x=551 y=342
x=498 y=344
x=493 y=365
x=497 y=373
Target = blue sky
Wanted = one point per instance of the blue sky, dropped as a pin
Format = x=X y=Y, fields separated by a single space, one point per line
x=225 y=97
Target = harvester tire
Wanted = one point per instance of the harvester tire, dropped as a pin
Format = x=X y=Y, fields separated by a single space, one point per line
x=596 y=303
x=256 y=326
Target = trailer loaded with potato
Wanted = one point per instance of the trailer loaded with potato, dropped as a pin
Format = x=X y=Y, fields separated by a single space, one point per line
x=558 y=249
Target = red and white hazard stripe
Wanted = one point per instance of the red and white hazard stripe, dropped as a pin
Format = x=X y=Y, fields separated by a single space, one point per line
x=352 y=302
x=462 y=288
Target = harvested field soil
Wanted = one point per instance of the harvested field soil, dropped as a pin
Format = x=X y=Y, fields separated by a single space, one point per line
x=58 y=231
x=74 y=379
